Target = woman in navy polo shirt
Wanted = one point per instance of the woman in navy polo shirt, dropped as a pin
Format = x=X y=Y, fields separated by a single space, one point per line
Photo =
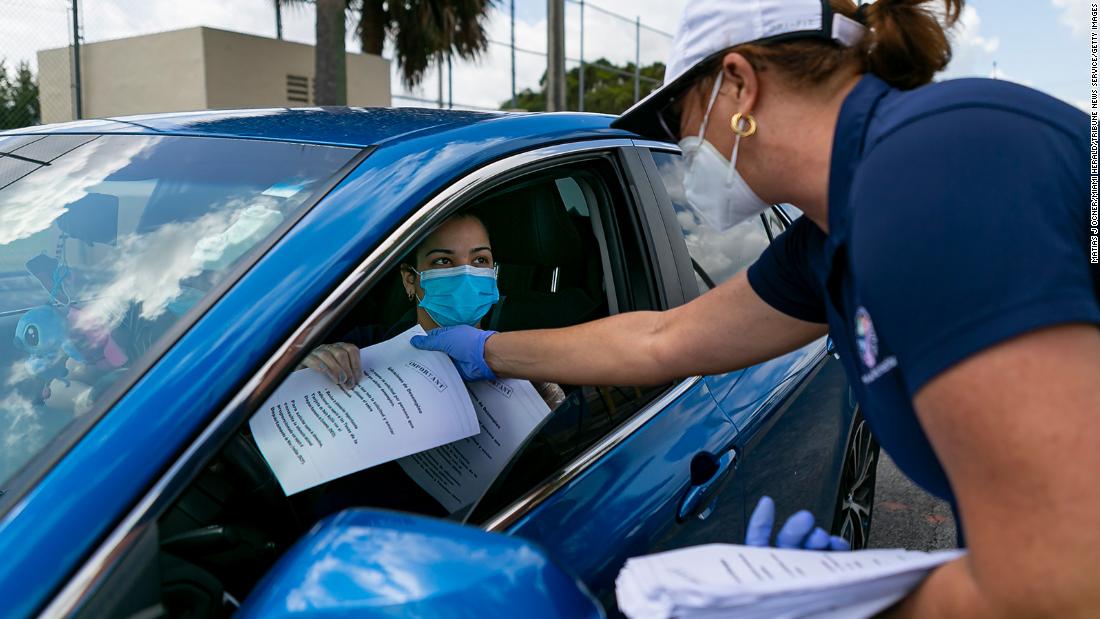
x=945 y=248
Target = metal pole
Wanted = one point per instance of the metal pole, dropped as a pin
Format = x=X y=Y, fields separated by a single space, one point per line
x=450 y=85
x=555 y=58
x=513 y=48
x=279 y=19
x=439 y=69
x=637 y=58
x=78 y=94
x=580 y=80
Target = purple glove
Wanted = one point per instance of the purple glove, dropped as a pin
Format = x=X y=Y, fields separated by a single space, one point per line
x=465 y=345
x=798 y=532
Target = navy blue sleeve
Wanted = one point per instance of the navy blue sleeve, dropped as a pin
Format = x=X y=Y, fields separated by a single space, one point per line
x=970 y=227
x=789 y=275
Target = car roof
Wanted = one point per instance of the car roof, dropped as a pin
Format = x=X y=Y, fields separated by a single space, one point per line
x=344 y=126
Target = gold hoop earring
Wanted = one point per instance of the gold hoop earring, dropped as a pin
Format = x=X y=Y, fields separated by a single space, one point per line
x=735 y=124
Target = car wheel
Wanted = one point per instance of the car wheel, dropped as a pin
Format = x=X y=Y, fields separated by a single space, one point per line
x=856 y=496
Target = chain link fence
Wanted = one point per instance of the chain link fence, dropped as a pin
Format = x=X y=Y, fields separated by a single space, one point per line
x=66 y=59
x=612 y=60
x=26 y=27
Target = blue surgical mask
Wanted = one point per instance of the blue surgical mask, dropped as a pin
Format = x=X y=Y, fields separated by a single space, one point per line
x=458 y=295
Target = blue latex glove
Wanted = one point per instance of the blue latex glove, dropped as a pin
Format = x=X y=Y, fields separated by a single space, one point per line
x=798 y=532
x=465 y=345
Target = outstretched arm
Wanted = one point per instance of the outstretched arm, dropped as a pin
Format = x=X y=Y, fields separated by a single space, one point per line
x=725 y=329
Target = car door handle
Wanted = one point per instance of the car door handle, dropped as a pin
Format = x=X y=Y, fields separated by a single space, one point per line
x=709 y=474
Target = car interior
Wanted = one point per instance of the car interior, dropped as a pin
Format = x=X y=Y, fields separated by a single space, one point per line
x=569 y=250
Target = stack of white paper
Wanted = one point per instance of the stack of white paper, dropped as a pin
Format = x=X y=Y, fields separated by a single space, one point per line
x=726 y=580
x=408 y=401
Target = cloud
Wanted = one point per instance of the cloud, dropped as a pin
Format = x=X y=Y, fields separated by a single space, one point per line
x=1074 y=14
x=32 y=203
x=148 y=269
x=972 y=51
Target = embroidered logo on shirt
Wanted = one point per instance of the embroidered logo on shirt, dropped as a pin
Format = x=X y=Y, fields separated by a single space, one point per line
x=867 y=342
x=866 y=339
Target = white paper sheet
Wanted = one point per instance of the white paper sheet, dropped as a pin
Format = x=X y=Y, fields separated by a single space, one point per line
x=728 y=580
x=457 y=474
x=312 y=431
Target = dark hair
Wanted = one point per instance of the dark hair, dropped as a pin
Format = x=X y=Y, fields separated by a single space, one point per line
x=410 y=258
x=906 y=45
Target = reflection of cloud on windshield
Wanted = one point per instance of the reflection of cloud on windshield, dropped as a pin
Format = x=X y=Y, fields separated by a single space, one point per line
x=722 y=254
x=31 y=204
x=19 y=425
x=381 y=564
x=148 y=269
x=18 y=373
x=671 y=168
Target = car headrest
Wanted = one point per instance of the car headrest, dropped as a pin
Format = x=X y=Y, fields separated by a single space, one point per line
x=529 y=225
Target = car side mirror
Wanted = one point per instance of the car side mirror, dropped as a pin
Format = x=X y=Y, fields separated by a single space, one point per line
x=371 y=563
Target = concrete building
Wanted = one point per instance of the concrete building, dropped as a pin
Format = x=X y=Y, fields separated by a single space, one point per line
x=195 y=69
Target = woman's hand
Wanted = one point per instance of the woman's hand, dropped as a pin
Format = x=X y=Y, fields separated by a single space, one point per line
x=798 y=532
x=339 y=361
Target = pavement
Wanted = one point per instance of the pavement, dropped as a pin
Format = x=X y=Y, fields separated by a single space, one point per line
x=906 y=516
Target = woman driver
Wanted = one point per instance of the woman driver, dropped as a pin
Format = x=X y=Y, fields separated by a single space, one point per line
x=452 y=280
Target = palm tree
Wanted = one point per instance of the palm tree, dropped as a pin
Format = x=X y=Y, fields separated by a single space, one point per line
x=422 y=31
x=330 y=75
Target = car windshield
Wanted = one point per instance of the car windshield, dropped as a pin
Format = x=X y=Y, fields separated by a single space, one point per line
x=107 y=242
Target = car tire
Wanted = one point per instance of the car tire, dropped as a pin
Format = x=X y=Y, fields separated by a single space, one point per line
x=856 y=491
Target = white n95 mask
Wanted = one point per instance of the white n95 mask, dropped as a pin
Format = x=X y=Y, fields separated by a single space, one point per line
x=714 y=188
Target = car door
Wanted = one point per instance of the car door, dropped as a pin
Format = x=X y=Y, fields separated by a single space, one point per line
x=793 y=412
x=643 y=483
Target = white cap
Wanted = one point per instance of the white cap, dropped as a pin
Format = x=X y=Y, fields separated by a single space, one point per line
x=709 y=27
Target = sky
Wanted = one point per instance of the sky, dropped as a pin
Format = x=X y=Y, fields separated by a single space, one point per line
x=1040 y=43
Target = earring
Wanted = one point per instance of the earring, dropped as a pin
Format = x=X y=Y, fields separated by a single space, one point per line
x=410 y=297
x=735 y=124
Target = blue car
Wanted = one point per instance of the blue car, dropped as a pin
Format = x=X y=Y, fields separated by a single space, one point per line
x=160 y=275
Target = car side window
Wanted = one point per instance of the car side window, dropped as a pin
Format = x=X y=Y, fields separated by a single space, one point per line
x=716 y=255
x=618 y=265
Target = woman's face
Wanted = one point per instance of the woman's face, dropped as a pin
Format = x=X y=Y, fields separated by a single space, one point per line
x=459 y=241
x=693 y=107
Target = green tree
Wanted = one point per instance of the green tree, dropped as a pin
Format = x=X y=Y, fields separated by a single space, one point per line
x=608 y=89
x=19 y=105
x=5 y=93
x=423 y=31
